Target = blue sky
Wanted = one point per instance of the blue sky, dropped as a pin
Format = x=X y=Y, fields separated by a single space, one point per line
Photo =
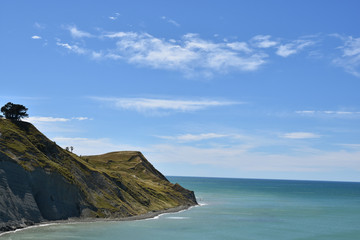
x=248 y=89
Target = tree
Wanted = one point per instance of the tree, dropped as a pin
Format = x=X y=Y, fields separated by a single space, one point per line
x=14 y=111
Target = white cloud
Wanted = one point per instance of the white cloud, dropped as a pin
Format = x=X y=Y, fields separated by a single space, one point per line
x=350 y=59
x=328 y=113
x=121 y=35
x=81 y=118
x=73 y=48
x=194 y=137
x=169 y=20
x=46 y=119
x=114 y=17
x=36 y=37
x=305 y=112
x=351 y=145
x=190 y=54
x=263 y=41
x=240 y=46
x=240 y=158
x=150 y=104
x=300 y=135
x=293 y=47
x=38 y=119
x=76 y=33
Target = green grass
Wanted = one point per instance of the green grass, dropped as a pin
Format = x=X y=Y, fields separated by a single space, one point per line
x=114 y=184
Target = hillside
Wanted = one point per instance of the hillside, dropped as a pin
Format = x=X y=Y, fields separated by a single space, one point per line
x=40 y=181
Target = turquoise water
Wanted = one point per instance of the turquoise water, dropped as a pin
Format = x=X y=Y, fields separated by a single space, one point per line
x=235 y=209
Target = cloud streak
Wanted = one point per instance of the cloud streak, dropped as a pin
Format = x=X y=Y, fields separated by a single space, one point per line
x=114 y=17
x=194 y=137
x=300 y=135
x=73 y=48
x=263 y=41
x=76 y=33
x=171 y=21
x=293 y=47
x=144 y=105
x=350 y=58
x=240 y=158
x=328 y=113
x=38 y=119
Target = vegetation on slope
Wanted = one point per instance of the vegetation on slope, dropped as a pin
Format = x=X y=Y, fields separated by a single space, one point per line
x=116 y=184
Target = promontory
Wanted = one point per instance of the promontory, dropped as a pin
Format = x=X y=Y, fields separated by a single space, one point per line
x=42 y=182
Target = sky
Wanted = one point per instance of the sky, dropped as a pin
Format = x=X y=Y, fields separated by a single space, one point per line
x=241 y=89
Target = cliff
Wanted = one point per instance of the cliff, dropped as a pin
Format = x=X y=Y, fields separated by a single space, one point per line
x=40 y=181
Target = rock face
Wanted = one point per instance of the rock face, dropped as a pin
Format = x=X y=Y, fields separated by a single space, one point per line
x=39 y=181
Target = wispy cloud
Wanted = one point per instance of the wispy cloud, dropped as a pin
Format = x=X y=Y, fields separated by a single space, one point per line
x=171 y=21
x=263 y=41
x=353 y=146
x=188 y=54
x=191 y=54
x=328 y=113
x=38 y=119
x=82 y=118
x=74 y=48
x=300 y=135
x=114 y=17
x=39 y=26
x=285 y=50
x=194 y=137
x=350 y=58
x=36 y=37
x=241 y=159
x=240 y=46
x=156 y=105
x=46 y=119
x=76 y=33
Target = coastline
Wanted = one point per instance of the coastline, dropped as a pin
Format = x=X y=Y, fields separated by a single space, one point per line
x=149 y=215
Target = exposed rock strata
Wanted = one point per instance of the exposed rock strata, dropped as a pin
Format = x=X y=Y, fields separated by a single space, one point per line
x=39 y=181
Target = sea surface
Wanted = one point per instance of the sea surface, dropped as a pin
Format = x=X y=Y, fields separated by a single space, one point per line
x=235 y=209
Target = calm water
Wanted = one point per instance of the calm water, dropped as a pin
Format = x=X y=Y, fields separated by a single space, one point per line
x=236 y=209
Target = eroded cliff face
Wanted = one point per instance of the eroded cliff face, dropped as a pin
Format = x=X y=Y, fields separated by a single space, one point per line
x=31 y=197
x=39 y=181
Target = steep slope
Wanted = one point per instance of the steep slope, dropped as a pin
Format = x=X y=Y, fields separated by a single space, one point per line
x=40 y=181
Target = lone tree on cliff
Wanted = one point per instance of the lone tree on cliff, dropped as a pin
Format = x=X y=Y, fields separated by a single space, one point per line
x=14 y=111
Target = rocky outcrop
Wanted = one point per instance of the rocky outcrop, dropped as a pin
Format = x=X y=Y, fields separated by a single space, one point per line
x=32 y=197
x=39 y=181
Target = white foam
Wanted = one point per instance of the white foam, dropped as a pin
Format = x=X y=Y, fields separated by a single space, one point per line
x=28 y=227
x=178 y=218
x=203 y=204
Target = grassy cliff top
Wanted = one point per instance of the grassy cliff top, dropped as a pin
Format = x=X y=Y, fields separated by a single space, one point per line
x=115 y=184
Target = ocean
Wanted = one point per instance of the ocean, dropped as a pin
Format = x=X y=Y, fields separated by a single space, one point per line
x=241 y=209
